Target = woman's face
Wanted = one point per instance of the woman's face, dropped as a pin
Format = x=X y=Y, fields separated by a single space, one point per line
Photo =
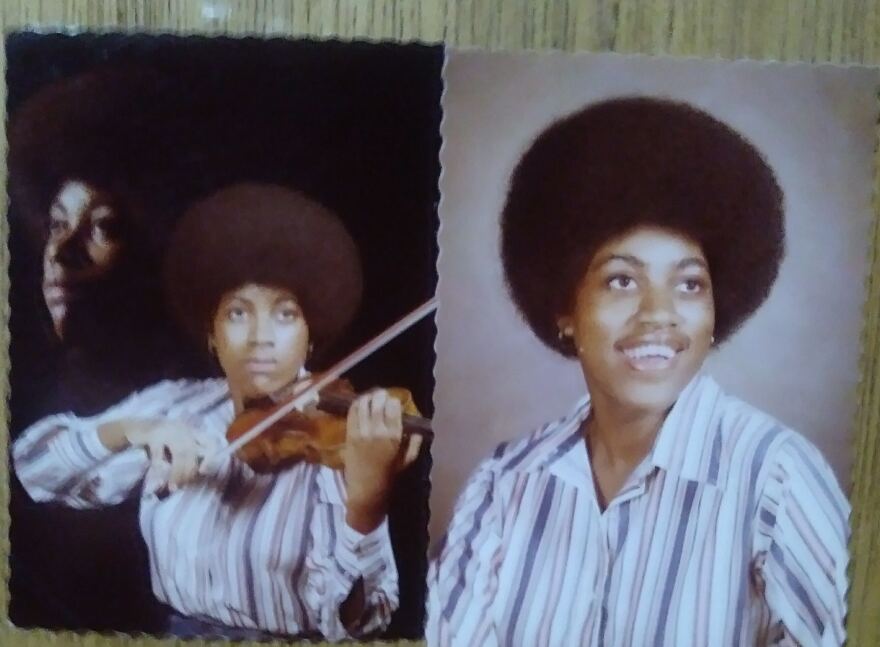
x=261 y=339
x=643 y=319
x=83 y=247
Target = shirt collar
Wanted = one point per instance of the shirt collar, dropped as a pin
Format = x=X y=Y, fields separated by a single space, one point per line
x=686 y=445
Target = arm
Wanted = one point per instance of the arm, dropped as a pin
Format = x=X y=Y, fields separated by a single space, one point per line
x=352 y=585
x=89 y=462
x=358 y=575
x=463 y=580
x=801 y=546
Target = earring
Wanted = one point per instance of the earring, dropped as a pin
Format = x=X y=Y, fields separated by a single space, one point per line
x=566 y=332
x=212 y=349
x=311 y=349
x=712 y=340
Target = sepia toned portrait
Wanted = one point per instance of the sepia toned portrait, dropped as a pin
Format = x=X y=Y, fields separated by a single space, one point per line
x=223 y=259
x=650 y=305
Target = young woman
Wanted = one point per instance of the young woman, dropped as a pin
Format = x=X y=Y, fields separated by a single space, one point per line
x=637 y=234
x=91 y=163
x=262 y=276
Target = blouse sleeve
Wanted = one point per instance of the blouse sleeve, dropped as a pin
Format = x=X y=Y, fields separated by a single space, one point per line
x=801 y=547
x=340 y=557
x=463 y=580
x=61 y=459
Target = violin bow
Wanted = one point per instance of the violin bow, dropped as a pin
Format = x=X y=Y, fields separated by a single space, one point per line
x=332 y=374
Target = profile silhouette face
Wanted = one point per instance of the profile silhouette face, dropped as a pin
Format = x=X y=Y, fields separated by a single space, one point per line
x=84 y=247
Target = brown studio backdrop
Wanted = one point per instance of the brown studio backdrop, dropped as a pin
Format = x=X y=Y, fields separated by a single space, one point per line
x=838 y=31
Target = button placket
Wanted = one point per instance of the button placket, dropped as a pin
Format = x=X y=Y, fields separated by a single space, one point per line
x=605 y=571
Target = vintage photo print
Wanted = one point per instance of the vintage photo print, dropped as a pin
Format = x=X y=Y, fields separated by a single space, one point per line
x=203 y=232
x=650 y=295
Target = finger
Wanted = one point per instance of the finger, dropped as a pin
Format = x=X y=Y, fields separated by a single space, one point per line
x=377 y=404
x=156 y=454
x=413 y=448
x=352 y=428
x=204 y=466
x=206 y=447
x=393 y=416
x=156 y=478
x=363 y=414
x=183 y=465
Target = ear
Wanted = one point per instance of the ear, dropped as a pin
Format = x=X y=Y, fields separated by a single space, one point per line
x=565 y=325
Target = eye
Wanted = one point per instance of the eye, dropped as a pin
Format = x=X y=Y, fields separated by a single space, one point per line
x=101 y=232
x=57 y=225
x=289 y=313
x=235 y=314
x=692 y=286
x=621 y=282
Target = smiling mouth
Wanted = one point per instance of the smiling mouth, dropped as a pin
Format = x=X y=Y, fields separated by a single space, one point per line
x=650 y=357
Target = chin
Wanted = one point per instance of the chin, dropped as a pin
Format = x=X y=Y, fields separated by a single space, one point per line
x=655 y=397
x=263 y=386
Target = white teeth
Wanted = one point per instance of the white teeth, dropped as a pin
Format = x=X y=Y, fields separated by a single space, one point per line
x=650 y=350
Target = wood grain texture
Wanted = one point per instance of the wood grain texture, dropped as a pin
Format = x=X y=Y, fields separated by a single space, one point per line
x=825 y=31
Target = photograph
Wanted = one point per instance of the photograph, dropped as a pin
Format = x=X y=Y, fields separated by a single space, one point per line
x=651 y=282
x=222 y=279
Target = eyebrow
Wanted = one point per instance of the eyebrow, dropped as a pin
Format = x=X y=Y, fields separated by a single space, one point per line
x=637 y=262
x=626 y=258
x=692 y=261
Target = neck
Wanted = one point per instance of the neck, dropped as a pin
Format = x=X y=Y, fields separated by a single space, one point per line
x=242 y=400
x=238 y=400
x=620 y=434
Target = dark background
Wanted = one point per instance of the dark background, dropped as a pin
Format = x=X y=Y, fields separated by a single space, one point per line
x=354 y=125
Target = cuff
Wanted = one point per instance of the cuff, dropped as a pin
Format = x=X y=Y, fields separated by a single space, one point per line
x=83 y=448
x=365 y=556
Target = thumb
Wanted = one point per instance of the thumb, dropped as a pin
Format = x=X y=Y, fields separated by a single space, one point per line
x=414 y=445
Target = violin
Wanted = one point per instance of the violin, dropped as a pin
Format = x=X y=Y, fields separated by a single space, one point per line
x=314 y=435
x=284 y=429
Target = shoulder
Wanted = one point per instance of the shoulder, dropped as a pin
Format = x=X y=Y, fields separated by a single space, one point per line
x=805 y=473
x=770 y=451
x=533 y=452
x=182 y=391
x=747 y=428
x=183 y=387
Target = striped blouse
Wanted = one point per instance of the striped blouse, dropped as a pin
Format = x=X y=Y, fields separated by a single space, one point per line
x=732 y=531
x=259 y=551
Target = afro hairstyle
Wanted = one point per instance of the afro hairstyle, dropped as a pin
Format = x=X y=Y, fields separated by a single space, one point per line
x=109 y=127
x=266 y=235
x=626 y=162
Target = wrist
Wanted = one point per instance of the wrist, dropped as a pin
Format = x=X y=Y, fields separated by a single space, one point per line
x=365 y=515
x=119 y=435
x=114 y=436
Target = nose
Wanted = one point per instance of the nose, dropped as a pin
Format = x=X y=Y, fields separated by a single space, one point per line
x=262 y=330
x=657 y=308
x=71 y=252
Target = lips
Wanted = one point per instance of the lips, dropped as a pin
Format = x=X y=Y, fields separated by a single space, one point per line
x=56 y=293
x=261 y=366
x=653 y=353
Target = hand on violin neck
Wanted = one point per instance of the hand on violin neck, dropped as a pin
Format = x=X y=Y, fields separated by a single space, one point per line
x=372 y=456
